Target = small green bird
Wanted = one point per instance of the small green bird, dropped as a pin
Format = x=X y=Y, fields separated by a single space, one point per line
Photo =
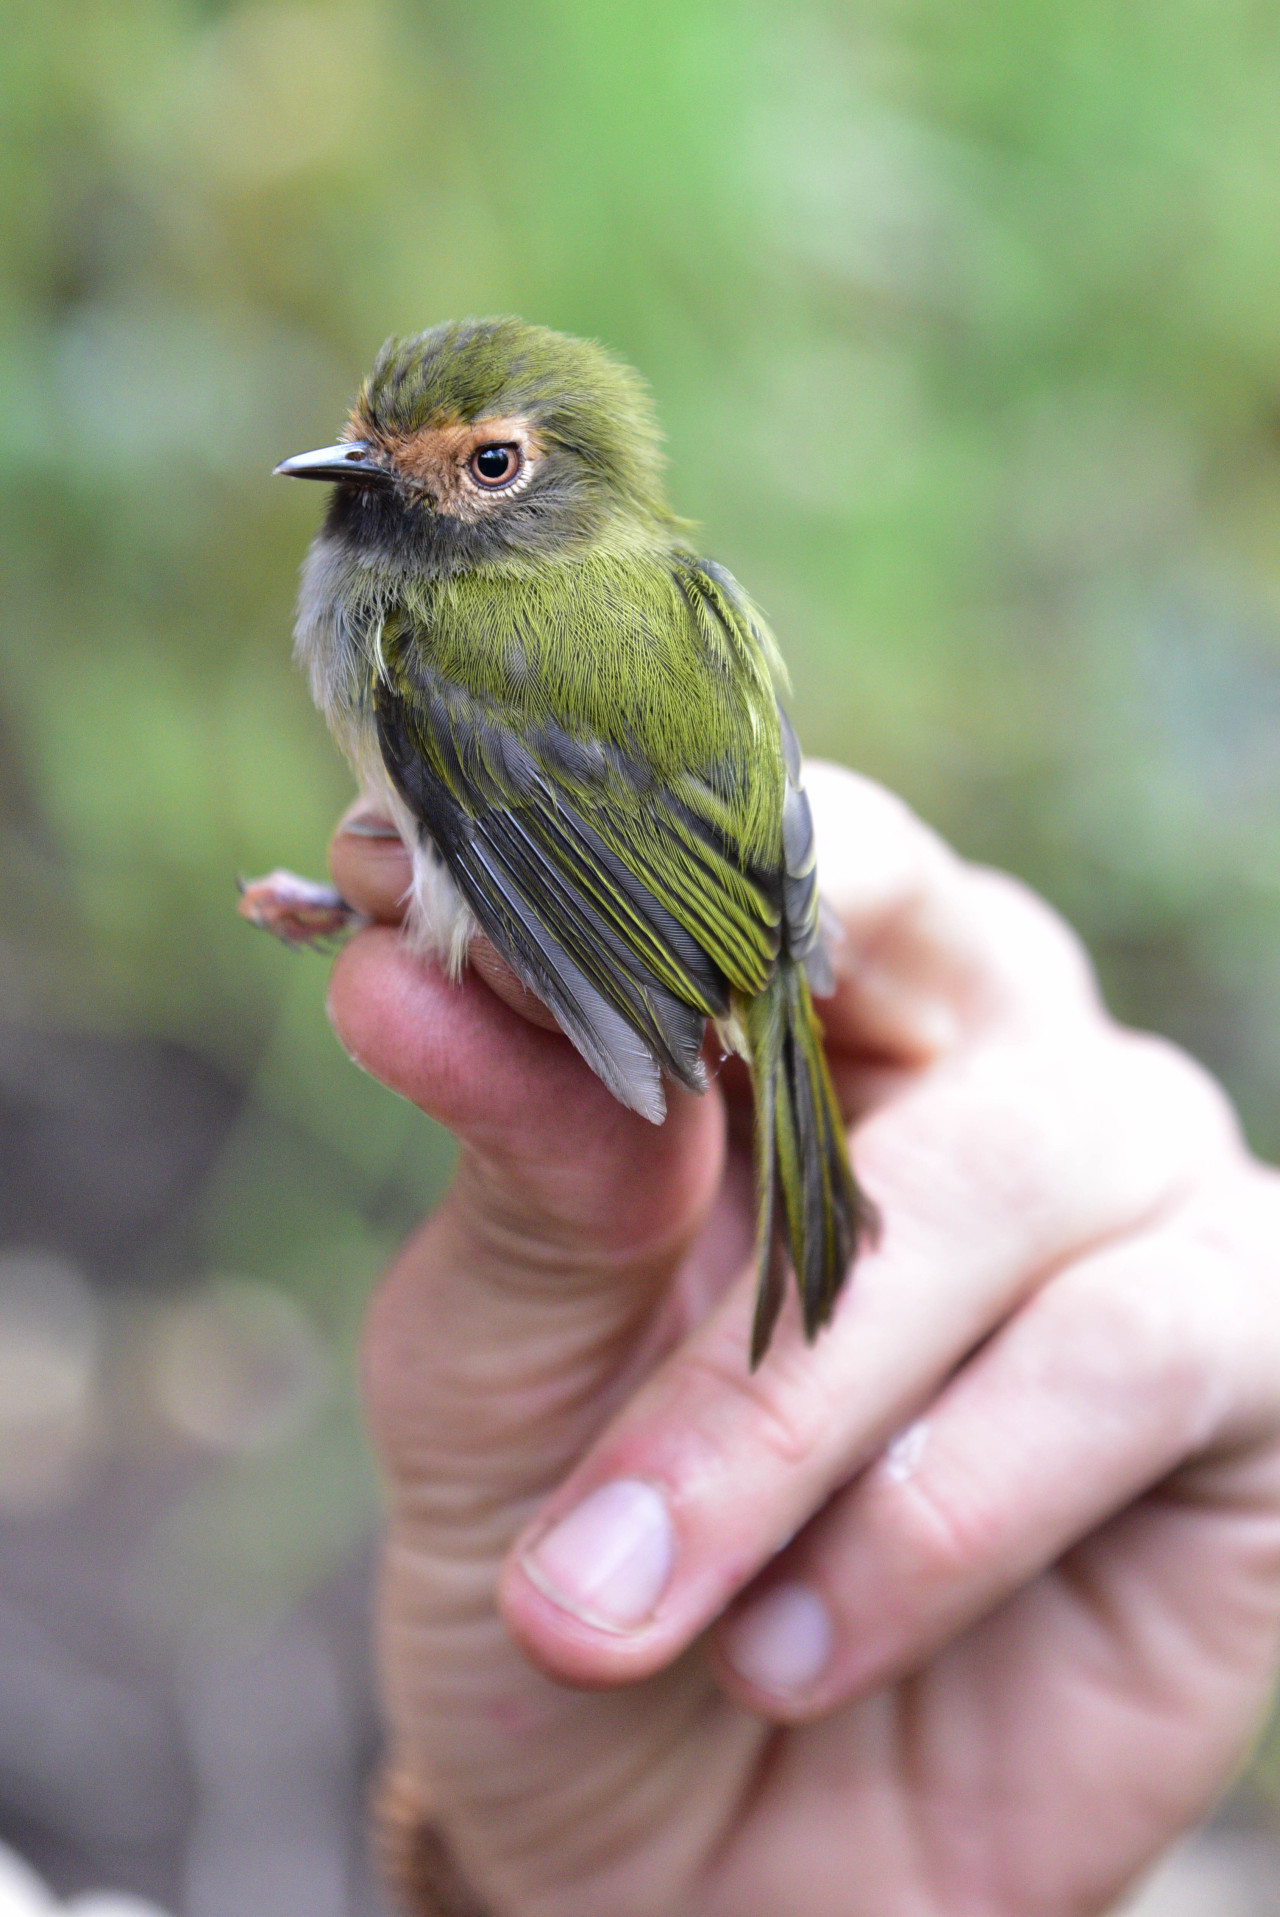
x=572 y=718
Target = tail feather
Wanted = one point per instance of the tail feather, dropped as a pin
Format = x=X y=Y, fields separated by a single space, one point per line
x=808 y=1198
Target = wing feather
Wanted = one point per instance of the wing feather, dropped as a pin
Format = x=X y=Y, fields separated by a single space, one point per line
x=632 y=904
x=607 y=1040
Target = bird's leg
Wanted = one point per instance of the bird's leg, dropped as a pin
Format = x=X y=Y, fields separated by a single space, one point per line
x=298 y=911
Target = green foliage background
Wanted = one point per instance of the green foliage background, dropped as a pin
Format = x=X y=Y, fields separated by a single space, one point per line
x=964 y=320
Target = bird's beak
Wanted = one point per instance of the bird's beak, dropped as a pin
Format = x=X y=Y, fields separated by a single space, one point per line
x=350 y=459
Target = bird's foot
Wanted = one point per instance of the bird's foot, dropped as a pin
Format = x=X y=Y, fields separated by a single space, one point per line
x=298 y=911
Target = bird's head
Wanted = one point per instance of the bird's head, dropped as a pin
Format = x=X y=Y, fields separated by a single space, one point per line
x=485 y=440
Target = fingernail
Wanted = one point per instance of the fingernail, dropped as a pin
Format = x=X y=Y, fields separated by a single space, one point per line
x=366 y=822
x=609 y=1560
x=782 y=1643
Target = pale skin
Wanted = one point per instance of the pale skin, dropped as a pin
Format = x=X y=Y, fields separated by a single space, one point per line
x=968 y=1609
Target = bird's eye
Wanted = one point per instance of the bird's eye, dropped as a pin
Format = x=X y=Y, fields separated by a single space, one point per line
x=494 y=466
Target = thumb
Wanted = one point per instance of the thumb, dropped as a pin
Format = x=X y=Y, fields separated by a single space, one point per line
x=548 y=1154
x=500 y=1338
x=510 y=1329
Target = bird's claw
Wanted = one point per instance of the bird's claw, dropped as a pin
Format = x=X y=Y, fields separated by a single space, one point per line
x=297 y=911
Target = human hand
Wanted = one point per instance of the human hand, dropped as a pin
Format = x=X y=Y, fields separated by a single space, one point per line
x=970 y=1607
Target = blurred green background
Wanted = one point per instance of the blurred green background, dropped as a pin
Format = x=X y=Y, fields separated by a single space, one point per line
x=963 y=317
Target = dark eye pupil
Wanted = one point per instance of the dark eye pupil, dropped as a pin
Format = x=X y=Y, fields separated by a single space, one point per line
x=494 y=462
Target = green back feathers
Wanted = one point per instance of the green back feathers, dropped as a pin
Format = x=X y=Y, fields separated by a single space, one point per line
x=579 y=396
x=620 y=648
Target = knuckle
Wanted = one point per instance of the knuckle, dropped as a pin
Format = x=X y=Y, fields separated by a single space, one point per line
x=1131 y=1320
x=986 y=1139
x=1036 y=945
x=782 y=1410
x=945 y=1529
x=1177 y=1091
x=1057 y=1141
x=876 y=856
x=850 y=798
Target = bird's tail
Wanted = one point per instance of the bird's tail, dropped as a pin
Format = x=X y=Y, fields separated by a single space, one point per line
x=809 y=1202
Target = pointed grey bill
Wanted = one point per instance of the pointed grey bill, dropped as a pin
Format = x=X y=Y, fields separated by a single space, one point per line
x=350 y=459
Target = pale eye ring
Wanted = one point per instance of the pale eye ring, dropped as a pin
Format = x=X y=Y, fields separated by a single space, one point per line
x=495 y=464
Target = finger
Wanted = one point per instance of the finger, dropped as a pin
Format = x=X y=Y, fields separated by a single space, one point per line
x=498 y=1342
x=1101 y=1387
x=930 y=949
x=560 y=1156
x=370 y=862
x=991 y=1175
x=372 y=869
x=507 y=1331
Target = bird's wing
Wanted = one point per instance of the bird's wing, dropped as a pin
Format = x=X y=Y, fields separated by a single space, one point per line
x=803 y=933
x=628 y=903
